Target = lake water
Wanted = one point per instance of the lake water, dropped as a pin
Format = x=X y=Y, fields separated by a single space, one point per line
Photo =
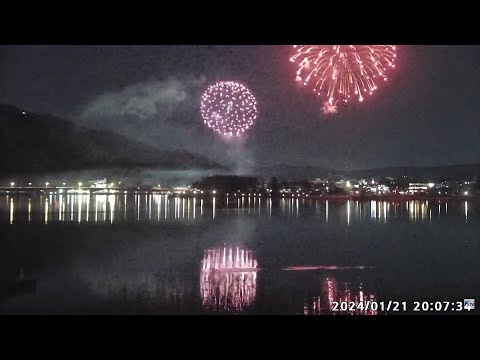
x=149 y=254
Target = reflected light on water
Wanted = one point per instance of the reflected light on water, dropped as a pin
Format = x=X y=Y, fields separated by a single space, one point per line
x=333 y=291
x=29 y=210
x=46 y=211
x=348 y=213
x=213 y=208
x=101 y=207
x=326 y=211
x=11 y=211
x=228 y=279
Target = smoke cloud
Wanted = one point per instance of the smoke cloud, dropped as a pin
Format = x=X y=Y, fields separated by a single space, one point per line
x=144 y=100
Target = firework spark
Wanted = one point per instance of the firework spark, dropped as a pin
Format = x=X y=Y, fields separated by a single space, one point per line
x=328 y=108
x=343 y=72
x=228 y=108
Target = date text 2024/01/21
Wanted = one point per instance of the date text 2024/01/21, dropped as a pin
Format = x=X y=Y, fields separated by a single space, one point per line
x=402 y=306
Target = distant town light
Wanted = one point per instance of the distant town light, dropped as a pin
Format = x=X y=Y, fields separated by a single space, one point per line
x=47 y=183
x=12 y=184
x=29 y=184
x=80 y=184
x=466 y=193
x=64 y=184
x=24 y=113
x=431 y=185
x=214 y=191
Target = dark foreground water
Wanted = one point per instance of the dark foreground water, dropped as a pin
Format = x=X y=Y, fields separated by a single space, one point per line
x=117 y=254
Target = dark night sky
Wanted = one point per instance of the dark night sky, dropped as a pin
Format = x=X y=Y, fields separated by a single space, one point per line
x=427 y=113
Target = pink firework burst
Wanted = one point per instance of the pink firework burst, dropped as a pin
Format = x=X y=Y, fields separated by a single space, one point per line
x=228 y=108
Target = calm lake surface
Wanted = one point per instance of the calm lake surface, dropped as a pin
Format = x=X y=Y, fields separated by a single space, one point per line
x=149 y=254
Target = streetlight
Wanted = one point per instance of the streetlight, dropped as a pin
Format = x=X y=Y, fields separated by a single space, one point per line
x=214 y=192
x=12 y=184
x=47 y=183
x=80 y=184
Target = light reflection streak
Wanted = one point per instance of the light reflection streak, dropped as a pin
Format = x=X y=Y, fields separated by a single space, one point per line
x=29 y=210
x=111 y=203
x=194 y=206
x=166 y=205
x=60 y=207
x=80 y=208
x=46 y=211
x=213 y=206
x=183 y=208
x=88 y=207
x=138 y=207
x=332 y=292
x=71 y=208
x=11 y=211
x=125 y=208
x=326 y=211
x=228 y=279
x=150 y=207
x=348 y=213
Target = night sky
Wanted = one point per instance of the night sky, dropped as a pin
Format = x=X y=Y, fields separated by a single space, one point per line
x=427 y=113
